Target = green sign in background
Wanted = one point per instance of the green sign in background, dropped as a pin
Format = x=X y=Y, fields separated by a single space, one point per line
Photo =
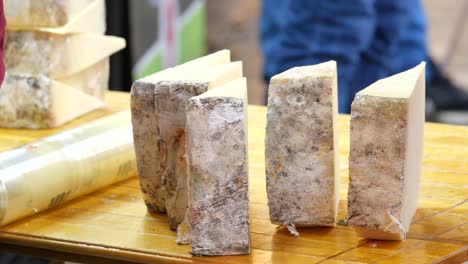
x=191 y=36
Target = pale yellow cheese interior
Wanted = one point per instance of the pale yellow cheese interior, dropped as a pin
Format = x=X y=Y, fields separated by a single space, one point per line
x=91 y=19
x=397 y=86
x=215 y=69
x=236 y=89
x=84 y=50
x=408 y=86
x=318 y=70
x=18 y=12
x=220 y=57
x=415 y=144
x=69 y=103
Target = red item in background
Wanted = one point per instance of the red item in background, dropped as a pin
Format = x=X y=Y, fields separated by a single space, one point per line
x=2 y=42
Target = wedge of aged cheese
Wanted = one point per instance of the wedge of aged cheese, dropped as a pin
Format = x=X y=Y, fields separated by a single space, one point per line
x=91 y=20
x=218 y=214
x=145 y=129
x=171 y=97
x=44 y=13
x=93 y=80
x=301 y=152
x=158 y=116
x=387 y=127
x=38 y=102
x=56 y=55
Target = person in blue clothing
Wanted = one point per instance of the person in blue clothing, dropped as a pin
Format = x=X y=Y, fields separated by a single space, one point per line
x=369 y=39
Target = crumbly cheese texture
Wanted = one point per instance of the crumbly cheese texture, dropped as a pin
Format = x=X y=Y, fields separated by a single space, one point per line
x=301 y=147
x=387 y=131
x=43 y=13
x=35 y=101
x=218 y=214
x=56 y=55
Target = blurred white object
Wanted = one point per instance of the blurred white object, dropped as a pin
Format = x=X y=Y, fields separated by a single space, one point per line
x=58 y=168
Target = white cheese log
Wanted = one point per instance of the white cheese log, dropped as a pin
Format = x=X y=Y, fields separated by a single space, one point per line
x=387 y=131
x=28 y=101
x=44 y=13
x=218 y=214
x=301 y=153
x=56 y=55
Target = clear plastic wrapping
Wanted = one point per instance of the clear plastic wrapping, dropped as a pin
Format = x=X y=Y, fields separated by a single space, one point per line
x=43 y=13
x=58 y=168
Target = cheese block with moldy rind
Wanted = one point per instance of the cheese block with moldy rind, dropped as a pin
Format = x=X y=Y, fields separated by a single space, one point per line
x=385 y=163
x=158 y=117
x=43 y=13
x=145 y=128
x=301 y=147
x=36 y=102
x=171 y=97
x=217 y=160
x=55 y=55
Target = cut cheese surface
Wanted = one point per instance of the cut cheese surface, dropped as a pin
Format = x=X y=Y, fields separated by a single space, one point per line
x=397 y=86
x=197 y=69
x=220 y=57
x=387 y=131
x=69 y=103
x=212 y=75
x=38 y=102
x=232 y=89
x=216 y=140
x=92 y=19
x=317 y=70
x=43 y=13
x=93 y=80
x=301 y=147
x=54 y=55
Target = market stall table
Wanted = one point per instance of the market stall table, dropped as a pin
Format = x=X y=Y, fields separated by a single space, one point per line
x=112 y=225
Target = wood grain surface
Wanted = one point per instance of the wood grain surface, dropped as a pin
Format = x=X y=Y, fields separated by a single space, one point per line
x=112 y=225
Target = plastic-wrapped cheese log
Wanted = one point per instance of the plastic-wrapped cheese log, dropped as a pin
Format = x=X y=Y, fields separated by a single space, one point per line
x=56 y=55
x=58 y=168
x=43 y=13
x=29 y=101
